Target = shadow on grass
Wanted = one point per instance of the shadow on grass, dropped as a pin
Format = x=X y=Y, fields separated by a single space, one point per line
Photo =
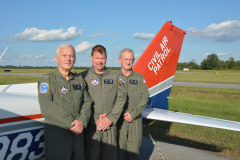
x=159 y=130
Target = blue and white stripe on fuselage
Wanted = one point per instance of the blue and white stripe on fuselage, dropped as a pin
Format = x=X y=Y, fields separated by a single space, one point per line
x=159 y=94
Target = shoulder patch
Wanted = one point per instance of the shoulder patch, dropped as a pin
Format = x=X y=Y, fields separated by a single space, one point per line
x=44 y=87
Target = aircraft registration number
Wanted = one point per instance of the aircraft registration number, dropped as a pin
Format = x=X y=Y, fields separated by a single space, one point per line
x=22 y=145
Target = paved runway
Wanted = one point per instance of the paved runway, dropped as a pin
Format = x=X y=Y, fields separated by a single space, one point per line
x=174 y=152
x=209 y=85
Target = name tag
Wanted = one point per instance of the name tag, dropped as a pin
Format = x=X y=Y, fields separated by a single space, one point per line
x=108 y=81
x=133 y=81
x=76 y=87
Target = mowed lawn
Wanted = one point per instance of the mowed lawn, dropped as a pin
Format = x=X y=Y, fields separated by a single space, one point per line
x=226 y=77
x=217 y=103
x=211 y=102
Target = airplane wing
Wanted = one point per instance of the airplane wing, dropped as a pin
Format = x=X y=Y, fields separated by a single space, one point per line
x=170 y=116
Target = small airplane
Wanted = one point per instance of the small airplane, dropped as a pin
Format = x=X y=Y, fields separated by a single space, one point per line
x=21 y=122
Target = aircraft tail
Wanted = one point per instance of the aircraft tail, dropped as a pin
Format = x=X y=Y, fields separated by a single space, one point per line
x=158 y=63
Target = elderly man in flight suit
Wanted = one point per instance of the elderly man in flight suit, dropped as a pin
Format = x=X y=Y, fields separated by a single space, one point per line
x=130 y=123
x=66 y=106
x=109 y=96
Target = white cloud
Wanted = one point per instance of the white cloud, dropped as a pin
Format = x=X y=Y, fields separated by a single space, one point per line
x=39 y=56
x=53 y=60
x=97 y=35
x=50 y=60
x=224 y=31
x=35 y=34
x=83 y=64
x=218 y=54
x=206 y=54
x=222 y=54
x=84 y=47
x=25 y=56
x=143 y=36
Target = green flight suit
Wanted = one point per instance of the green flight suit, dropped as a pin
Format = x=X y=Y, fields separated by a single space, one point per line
x=130 y=134
x=109 y=96
x=63 y=101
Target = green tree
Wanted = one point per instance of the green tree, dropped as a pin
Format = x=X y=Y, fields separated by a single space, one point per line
x=230 y=63
x=237 y=64
x=210 y=63
x=193 y=65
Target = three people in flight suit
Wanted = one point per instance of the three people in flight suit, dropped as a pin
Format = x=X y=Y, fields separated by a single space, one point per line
x=66 y=103
x=66 y=106
x=130 y=123
x=109 y=96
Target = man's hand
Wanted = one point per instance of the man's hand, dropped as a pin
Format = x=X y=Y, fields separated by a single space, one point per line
x=78 y=127
x=103 y=123
x=128 y=117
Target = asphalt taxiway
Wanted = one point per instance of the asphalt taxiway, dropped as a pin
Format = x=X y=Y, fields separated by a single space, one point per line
x=149 y=151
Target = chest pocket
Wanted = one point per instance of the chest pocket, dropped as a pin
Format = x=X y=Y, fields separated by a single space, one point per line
x=110 y=87
x=134 y=91
x=133 y=86
x=76 y=89
x=76 y=93
x=133 y=82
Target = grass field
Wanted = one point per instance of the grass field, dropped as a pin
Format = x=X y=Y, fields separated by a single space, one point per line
x=227 y=77
x=17 y=79
x=218 y=103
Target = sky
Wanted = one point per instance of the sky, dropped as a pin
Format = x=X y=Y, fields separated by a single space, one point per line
x=33 y=29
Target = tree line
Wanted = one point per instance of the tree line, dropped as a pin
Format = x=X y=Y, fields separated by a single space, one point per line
x=212 y=62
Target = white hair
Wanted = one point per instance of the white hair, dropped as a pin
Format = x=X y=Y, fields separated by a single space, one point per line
x=126 y=49
x=64 y=45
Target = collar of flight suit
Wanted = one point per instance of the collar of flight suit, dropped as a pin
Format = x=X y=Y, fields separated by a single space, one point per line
x=120 y=71
x=59 y=74
x=106 y=71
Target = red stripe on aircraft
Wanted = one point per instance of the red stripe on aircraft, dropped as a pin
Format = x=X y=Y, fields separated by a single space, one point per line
x=20 y=118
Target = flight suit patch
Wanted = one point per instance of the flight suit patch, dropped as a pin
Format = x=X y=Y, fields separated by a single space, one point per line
x=108 y=81
x=94 y=81
x=76 y=87
x=44 y=87
x=133 y=81
x=144 y=81
x=64 y=89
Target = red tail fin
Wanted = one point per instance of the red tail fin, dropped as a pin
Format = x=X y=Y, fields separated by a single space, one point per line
x=159 y=61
